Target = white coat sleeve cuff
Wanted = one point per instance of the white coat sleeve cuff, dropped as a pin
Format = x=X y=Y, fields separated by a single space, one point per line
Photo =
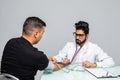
x=99 y=64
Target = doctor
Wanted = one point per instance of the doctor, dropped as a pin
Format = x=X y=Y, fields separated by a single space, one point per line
x=83 y=51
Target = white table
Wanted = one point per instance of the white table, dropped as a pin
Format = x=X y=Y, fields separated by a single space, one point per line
x=78 y=75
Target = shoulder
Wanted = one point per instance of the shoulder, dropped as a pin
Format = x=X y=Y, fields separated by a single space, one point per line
x=12 y=40
x=70 y=44
x=93 y=45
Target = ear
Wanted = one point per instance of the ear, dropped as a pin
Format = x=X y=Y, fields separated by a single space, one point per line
x=35 y=34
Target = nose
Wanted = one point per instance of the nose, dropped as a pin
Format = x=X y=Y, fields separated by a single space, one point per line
x=77 y=37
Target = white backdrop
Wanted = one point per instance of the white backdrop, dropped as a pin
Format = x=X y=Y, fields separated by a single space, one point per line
x=60 y=16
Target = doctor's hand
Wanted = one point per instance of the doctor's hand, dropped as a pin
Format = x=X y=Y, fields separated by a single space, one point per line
x=89 y=64
x=66 y=61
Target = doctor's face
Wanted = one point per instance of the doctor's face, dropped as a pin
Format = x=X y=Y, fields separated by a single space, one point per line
x=80 y=36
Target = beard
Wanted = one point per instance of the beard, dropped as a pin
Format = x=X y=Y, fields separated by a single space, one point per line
x=80 y=42
x=37 y=40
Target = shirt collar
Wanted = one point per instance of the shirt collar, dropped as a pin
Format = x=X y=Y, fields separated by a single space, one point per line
x=27 y=42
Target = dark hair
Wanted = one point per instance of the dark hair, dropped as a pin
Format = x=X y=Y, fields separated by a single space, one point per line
x=32 y=22
x=82 y=25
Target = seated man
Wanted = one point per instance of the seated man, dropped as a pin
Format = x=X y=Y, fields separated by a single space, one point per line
x=82 y=51
x=20 y=58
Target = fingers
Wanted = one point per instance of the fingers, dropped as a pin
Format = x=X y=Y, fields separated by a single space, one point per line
x=86 y=64
x=67 y=61
x=89 y=64
x=51 y=58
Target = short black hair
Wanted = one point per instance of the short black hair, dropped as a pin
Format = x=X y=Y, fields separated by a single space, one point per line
x=32 y=22
x=82 y=25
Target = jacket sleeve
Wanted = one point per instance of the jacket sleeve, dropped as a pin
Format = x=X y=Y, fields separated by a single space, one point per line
x=43 y=62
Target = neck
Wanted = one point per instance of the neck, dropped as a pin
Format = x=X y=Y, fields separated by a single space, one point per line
x=81 y=45
x=28 y=38
x=83 y=42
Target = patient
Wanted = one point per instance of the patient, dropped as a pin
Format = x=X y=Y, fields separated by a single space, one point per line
x=83 y=52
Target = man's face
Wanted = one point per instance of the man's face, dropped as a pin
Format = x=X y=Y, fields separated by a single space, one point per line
x=38 y=34
x=80 y=37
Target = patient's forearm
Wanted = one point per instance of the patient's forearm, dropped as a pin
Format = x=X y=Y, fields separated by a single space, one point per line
x=58 y=66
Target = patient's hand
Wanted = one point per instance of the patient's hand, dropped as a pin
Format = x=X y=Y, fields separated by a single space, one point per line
x=51 y=58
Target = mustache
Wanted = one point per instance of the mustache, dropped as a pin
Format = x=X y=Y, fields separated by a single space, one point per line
x=80 y=42
x=77 y=40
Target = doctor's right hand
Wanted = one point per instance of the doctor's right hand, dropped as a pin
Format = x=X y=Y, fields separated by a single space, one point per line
x=66 y=61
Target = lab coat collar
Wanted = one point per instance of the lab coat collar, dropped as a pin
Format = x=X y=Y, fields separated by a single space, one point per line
x=84 y=47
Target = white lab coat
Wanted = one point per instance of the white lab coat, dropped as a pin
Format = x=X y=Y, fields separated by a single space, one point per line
x=89 y=52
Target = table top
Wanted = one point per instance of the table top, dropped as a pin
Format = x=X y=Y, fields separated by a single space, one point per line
x=79 y=75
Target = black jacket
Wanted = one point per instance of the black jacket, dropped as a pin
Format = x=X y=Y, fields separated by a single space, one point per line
x=22 y=60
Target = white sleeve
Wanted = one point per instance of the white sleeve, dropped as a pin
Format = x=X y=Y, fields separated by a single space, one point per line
x=103 y=60
x=62 y=53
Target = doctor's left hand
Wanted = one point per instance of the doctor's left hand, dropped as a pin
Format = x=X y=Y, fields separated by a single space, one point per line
x=89 y=64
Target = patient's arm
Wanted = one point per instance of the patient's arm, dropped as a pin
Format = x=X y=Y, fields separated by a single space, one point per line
x=58 y=66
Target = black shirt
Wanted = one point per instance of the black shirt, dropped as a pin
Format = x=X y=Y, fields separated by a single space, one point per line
x=22 y=60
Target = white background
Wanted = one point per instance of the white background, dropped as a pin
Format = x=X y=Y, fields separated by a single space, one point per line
x=103 y=17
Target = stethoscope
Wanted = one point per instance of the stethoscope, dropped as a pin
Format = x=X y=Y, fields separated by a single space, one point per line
x=75 y=54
